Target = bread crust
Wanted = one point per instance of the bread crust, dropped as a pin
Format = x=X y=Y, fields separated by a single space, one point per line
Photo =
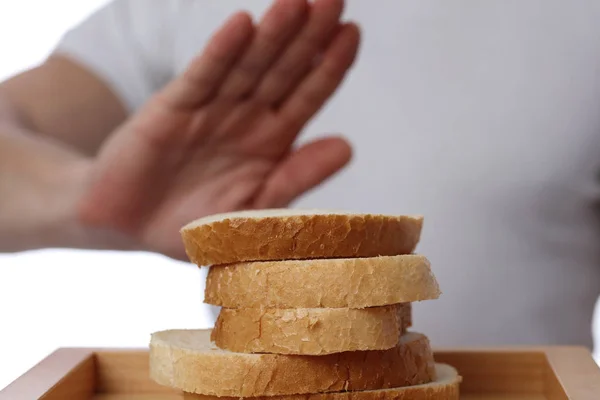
x=186 y=360
x=446 y=387
x=238 y=237
x=334 y=283
x=310 y=331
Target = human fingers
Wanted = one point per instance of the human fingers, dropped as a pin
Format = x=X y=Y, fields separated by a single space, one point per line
x=303 y=170
x=298 y=58
x=279 y=25
x=204 y=75
x=323 y=81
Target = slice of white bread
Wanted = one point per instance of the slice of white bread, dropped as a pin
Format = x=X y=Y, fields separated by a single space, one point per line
x=445 y=387
x=281 y=234
x=187 y=360
x=310 y=331
x=335 y=283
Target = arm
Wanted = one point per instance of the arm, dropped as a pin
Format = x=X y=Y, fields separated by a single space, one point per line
x=216 y=138
x=55 y=118
x=62 y=100
x=52 y=118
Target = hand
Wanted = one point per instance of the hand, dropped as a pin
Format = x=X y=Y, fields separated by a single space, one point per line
x=219 y=137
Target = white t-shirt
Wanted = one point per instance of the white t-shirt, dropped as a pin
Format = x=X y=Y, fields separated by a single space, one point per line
x=482 y=116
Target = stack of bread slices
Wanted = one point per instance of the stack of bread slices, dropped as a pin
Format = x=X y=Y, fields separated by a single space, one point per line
x=313 y=304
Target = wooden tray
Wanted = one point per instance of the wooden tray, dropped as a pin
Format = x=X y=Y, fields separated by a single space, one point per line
x=553 y=373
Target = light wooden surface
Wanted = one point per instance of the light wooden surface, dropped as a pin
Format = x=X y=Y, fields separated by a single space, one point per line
x=125 y=372
x=578 y=375
x=554 y=373
x=486 y=371
x=65 y=374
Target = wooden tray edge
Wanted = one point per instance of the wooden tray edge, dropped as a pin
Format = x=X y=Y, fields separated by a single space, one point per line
x=576 y=374
x=50 y=372
x=576 y=371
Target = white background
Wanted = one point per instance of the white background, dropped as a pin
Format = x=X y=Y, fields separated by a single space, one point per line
x=57 y=298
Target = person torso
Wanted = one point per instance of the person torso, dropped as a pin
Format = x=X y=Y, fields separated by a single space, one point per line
x=485 y=118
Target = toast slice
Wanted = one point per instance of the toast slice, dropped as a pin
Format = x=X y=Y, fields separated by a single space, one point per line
x=335 y=283
x=187 y=360
x=282 y=234
x=310 y=331
x=445 y=387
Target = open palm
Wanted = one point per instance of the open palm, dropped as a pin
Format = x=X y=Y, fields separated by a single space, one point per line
x=219 y=137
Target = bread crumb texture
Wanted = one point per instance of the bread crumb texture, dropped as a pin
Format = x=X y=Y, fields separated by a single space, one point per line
x=334 y=283
x=445 y=387
x=311 y=331
x=264 y=236
x=187 y=360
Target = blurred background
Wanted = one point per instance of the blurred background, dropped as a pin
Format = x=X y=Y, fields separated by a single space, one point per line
x=55 y=298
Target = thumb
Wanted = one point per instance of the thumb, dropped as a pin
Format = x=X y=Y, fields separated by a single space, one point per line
x=302 y=170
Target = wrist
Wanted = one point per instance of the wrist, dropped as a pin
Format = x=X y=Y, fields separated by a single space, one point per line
x=82 y=233
x=59 y=225
x=41 y=184
x=36 y=188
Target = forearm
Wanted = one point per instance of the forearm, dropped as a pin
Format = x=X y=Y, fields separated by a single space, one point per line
x=65 y=101
x=53 y=120
x=41 y=183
